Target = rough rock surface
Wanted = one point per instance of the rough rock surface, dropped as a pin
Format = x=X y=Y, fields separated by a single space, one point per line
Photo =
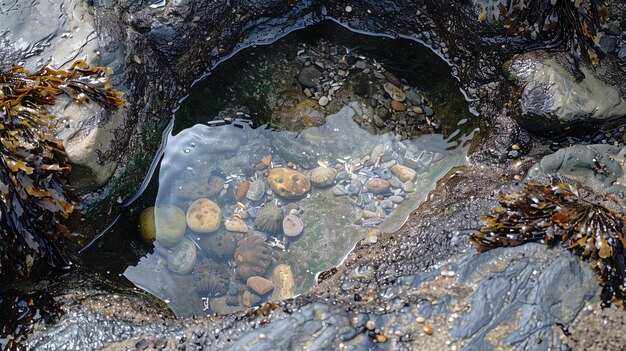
x=598 y=166
x=552 y=100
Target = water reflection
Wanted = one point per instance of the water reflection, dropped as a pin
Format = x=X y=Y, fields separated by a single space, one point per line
x=244 y=215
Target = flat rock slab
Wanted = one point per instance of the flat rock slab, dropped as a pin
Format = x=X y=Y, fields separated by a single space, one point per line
x=598 y=166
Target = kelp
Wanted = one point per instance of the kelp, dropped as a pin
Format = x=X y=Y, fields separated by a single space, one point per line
x=35 y=197
x=552 y=24
x=559 y=214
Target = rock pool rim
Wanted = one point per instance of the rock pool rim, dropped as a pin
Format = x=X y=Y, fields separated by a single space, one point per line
x=282 y=34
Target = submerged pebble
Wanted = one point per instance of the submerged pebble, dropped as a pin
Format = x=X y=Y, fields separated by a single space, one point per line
x=182 y=259
x=256 y=190
x=323 y=176
x=269 y=219
x=204 y=216
x=292 y=225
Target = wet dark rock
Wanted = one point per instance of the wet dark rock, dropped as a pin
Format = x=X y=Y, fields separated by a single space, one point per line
x=608 y=43
x=552 y=100
x=309 y=76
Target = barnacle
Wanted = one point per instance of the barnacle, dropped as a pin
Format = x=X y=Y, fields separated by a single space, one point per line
x=552 y=23
x=34 y=194
x=559 y=213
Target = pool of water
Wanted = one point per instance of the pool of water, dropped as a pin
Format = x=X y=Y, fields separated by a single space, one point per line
x=280 y=161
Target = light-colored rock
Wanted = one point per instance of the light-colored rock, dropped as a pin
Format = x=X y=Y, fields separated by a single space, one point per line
x=236 y=225
x=404 y=173
x=323 y=101
x=394 y=92
x=260 y=285
x=204 y=216
x=292 y=225
x=283 y=283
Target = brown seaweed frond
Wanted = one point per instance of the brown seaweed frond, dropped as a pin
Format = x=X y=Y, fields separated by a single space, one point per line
x=551 y=24
x=559 y=213
x=34 y=194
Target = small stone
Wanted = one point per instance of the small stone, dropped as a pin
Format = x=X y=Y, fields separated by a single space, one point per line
x=339 y=191
x=386 y=204
x=360 y=65
x=427 y=329
x=282 y=277
x=348 y=9
x=241 y=192
x=428 y=111
x=288 y=183
x=147 y=227
x=403 y=172
x=323 y=176
x=417 y=109
x=256 y=190
x=392 y=79
x=408 y=186
x=370 y=214
x=308 y=92
x=308 y=76
x=370 y=325
x=377 y=185
x=204 y=216
x=236 y=225
x=378 y=151
x=381 y=338
x=183 y=257
x=249 y=299
x=414 y=97
x=396 y=199
x=398 y=106
x=292 y=225
x=395 y=182
x=394 y=92
x=323 y=101
x=378 y=121
x=420 y=320
x=260 y=285
x=515 y=147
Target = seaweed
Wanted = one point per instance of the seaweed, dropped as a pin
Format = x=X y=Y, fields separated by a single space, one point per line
x=35 y=197
x=559 y=214
x=552 y=24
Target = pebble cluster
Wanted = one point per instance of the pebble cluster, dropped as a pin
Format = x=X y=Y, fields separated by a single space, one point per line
x=399 y=107
x=237 y=225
